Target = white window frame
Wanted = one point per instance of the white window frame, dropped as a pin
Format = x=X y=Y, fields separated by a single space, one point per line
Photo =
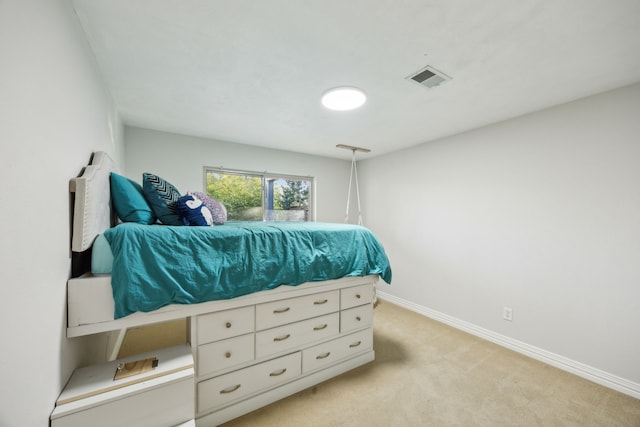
x=264 y=176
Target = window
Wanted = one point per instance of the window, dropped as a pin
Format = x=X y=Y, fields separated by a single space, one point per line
x=261 y=196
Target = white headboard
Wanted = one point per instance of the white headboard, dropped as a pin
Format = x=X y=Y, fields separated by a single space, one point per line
x=92 y=212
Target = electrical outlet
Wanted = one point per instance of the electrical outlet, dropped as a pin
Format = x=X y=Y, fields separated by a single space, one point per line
x=507 y=314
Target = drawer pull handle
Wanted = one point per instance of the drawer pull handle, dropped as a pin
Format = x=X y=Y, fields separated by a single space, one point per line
x=358 y=296
x=319 y=328
x=358 y=318
x=227 y=355
x=323 y=356
x=281 y=310
x=277 y=374
x=324 y=301
x=355 y=344
x=282 y=338
x=228 y=325
x=230 y=389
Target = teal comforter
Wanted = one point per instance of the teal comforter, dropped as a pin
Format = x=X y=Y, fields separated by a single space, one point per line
x=157 y=265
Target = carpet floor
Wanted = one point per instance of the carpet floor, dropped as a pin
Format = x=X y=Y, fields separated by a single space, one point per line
x=429 y=374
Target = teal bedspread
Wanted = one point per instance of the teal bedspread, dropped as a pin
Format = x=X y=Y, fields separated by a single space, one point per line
x=157 y=265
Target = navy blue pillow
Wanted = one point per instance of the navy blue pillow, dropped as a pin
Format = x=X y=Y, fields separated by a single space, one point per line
x=162 y=197
x=129 y=202
x=217 y=209
x=193 y=211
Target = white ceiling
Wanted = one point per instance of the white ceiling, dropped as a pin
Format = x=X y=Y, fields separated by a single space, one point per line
x=253 y=71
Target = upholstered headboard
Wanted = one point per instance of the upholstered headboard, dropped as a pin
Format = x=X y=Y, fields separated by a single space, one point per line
x=92 y=212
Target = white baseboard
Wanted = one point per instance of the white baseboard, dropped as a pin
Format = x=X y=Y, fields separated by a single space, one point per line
x=580 y=369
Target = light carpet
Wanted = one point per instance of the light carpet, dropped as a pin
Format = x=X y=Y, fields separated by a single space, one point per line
x=429 y=374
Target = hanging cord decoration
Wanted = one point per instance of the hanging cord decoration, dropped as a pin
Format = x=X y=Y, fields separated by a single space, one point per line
x=354 y=172
x=354 y=169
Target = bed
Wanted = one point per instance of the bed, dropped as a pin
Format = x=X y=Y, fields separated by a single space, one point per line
x=273 y=280
x=95 y=306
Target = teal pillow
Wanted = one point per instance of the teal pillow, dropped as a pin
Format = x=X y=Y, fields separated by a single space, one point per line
x=129 y=201
x=101 y=256
x=162 y=197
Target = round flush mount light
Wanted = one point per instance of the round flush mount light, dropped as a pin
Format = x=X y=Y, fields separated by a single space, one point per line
x=343 y=98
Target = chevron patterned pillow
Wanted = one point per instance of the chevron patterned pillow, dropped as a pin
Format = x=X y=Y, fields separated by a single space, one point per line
x=162 y=197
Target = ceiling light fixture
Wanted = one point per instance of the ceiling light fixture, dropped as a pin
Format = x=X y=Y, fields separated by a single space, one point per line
x=343 y=98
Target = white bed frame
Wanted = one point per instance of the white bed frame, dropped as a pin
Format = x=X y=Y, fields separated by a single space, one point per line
x=90 y=310
x=90 y=304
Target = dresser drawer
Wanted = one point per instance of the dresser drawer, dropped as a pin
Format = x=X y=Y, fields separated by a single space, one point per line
x=356 y=295
x=333 y=351
x=225 y=324
x=224 y=354
x=296 y=334
x=276 y=313
x=356 y=318
x=218 y=391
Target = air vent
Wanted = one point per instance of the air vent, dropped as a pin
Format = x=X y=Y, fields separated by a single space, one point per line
x=429 y=77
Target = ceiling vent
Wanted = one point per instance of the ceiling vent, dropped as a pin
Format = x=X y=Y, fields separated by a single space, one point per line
x=429 y=77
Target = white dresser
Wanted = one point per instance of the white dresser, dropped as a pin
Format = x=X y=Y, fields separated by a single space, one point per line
x=245 y=353
x=251 y=355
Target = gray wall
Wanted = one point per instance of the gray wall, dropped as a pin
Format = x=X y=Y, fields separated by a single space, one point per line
x=540 y=213
x=180 y=160
x=54 y=111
